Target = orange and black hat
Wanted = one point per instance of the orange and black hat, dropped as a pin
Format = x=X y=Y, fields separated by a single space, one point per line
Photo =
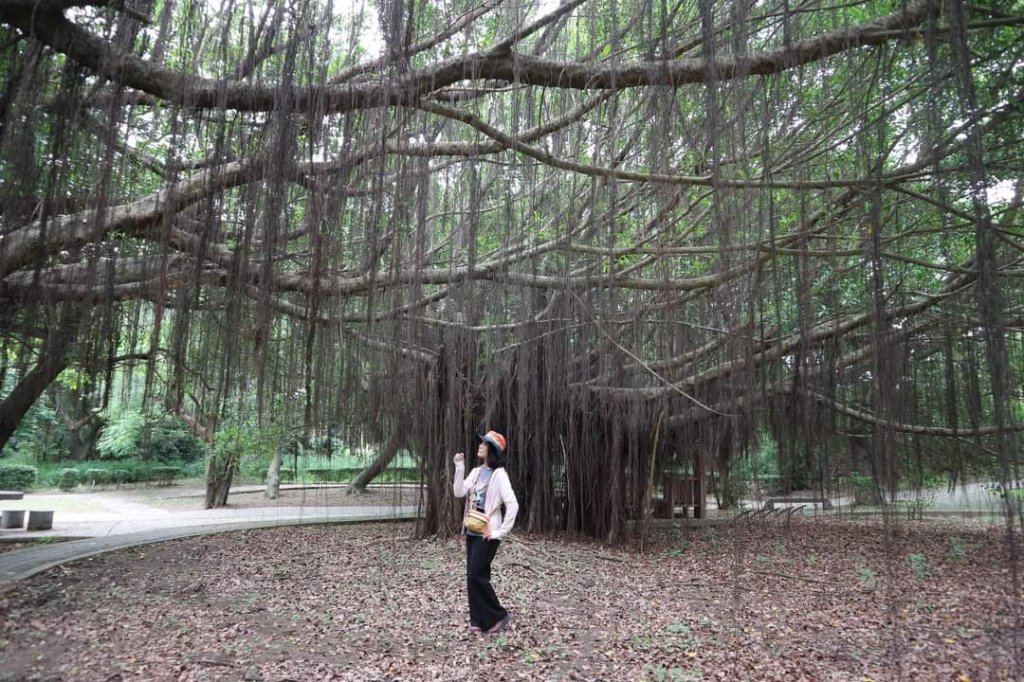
x=495 y=439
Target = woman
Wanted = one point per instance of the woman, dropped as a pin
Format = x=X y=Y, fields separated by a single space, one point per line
x=487 y=488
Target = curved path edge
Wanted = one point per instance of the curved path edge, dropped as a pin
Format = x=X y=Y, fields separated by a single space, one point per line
x=24 y=563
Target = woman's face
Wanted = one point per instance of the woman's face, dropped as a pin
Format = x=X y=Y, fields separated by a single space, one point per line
x=481 y=452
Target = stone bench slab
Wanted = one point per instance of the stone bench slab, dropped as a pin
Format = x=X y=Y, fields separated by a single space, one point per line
x=12 y=518
x=15 y=519
x=39 y=520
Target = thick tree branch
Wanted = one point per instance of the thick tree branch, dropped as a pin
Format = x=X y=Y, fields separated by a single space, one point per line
x=942 y=431
x=32 y=244
x=52 y=361
x=92 y=52
x=815 y=335
x=462 y=22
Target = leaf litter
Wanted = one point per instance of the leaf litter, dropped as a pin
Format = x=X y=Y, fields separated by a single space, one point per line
x=819 y=600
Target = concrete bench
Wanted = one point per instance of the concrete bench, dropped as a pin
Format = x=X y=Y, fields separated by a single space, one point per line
x=12 y=518
x=15 y=519
x=39 y=520
x=11 y=495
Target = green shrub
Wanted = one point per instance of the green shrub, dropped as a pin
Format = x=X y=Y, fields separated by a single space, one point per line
x=934 y=480
x=121 y=436
x=196 y=469
x=125 y=471
x=39 y=437
x=169 y=439
x=866 y=576
x=998 y=490
x=919 y=565
x=17 y=476
x=398 y=475
x=327 y=475
x=98 y=476
x=122 y=476
x=68 y=479
x=285 y=475
x=914 y=508
x=769 y=484
x=346 y=474
x=164 y=439
x=731 y=494
x=165 y=475
x=864 y=489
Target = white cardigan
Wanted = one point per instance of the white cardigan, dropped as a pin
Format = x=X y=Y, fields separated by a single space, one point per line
x=499 y=491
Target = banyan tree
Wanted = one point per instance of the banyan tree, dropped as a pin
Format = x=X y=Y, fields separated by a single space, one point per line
x=637 y=236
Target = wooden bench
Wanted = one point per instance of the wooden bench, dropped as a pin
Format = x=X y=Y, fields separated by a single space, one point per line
x=681 y=492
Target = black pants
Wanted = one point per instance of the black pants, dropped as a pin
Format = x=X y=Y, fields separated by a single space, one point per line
x=484 y=608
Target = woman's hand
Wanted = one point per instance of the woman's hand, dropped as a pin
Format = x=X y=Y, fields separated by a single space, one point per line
x=459 y=458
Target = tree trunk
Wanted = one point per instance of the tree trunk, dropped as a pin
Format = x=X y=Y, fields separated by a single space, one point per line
x=52 y=360
x=616 y=524
x=219 y=472
x=358 y=485
x=83 y=440
x=84 y=425
x=727 y=498
x=274 y=475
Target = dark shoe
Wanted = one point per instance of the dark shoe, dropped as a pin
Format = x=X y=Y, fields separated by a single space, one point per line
x=500 y=625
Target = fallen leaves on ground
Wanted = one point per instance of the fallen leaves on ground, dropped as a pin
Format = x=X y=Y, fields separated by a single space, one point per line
x=818 y=600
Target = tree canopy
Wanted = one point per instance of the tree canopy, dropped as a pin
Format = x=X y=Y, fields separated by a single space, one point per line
x=624 y=232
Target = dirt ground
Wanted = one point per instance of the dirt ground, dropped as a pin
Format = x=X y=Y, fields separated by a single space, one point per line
x=819 y=600
x=12 y=546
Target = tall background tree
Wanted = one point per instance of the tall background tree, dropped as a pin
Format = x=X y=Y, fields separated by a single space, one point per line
x=627 y=233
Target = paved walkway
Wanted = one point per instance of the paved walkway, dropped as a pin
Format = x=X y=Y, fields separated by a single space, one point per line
x=970 y=498
x=110 y=520
x=19 y=564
